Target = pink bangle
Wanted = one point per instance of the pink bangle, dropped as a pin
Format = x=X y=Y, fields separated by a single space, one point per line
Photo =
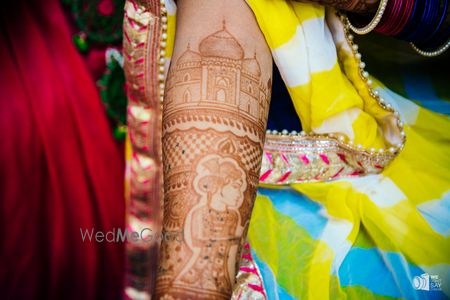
x=389 y=16
x=396 y=16
x=408 y=7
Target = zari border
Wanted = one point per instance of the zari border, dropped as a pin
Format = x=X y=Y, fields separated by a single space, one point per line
x=249 y=282
x=141 y=40
x=305 y=158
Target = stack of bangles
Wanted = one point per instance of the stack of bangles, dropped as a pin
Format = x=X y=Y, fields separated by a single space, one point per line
x=423 y=23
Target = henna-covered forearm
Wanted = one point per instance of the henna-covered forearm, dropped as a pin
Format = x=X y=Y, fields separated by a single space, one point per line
x=214 y=119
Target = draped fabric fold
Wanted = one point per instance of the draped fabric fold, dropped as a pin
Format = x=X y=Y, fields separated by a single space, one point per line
x=356 y=238
x=61 y=171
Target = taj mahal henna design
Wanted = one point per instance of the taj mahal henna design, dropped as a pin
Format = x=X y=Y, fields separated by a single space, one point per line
x=214 y=120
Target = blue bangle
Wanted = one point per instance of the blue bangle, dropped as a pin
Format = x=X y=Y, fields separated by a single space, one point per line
x=443 y=14
x=441 y=34
x=412 y=20
x=427 y=21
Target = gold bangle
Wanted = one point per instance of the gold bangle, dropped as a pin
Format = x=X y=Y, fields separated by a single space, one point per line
x=373 y=23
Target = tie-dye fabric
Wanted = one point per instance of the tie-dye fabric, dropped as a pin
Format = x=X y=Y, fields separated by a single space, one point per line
x=375 y=237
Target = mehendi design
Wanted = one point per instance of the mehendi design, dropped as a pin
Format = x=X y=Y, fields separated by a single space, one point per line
x=218 y=77
x=214 y=222
x=363 y=6
x=215 y=115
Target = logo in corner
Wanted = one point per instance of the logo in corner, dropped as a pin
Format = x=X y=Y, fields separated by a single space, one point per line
x=427 y=282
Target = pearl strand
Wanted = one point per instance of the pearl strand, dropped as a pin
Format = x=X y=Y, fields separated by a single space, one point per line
x=364 y=75
x=434 y=53
x=373 y=23
x=162 y=51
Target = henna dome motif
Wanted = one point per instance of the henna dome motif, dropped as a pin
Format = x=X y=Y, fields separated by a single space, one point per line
x=251 y=65
x=221 y=44
x=189 y=56
x=218 y=72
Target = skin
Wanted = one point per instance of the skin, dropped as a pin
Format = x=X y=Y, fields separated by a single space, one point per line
x=214 y=119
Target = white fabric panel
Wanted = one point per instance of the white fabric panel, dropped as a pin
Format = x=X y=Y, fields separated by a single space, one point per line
x=437 y=213
x=341 y=123
x=290 y=59
x=335 y=235
x=408 y=110
x=293 y=57
x=377 y=187
x=171 y=7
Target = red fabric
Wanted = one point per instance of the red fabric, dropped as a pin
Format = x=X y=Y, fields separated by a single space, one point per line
x=60 y=169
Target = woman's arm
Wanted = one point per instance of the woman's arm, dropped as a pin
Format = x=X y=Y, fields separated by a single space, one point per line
x=214 y=120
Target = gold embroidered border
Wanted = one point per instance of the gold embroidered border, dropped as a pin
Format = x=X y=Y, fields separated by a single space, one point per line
x=292 y=159
x=142 y=34
x=249 y=282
